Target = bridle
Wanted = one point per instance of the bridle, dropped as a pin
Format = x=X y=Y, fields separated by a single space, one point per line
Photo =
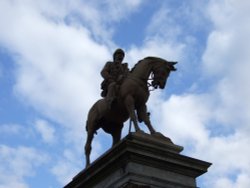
x=151 y=78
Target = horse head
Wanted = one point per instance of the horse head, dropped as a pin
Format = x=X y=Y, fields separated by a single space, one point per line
x=161 y=72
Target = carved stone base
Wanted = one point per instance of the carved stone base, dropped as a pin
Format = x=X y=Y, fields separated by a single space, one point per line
x=141 y=160
x=131 y=185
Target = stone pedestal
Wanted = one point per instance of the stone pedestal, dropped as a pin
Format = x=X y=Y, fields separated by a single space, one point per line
x=141 y=161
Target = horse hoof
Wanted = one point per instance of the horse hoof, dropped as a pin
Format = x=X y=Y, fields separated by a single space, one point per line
x=87 y=165
x=161 y=136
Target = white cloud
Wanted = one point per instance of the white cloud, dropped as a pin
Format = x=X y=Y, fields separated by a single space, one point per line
x=58 y=68
x=192 y=120
x=241 y=182
x=64 y=171
x=59 y=63
x=17 y=164
x=185 y=118
x=10 y=129
x=155 y=47
x=227 y=43
x=1 y=70
x=96 y=15
x=56 y=62
x=15 y=131
x=180 y=21
x=225 y=63
x=46 y=130
x=226 y=57
x=116 y=9
x=168 y=30
x=67 y=167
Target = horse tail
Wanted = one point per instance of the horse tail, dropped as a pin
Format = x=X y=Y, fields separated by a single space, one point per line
x=86 y=126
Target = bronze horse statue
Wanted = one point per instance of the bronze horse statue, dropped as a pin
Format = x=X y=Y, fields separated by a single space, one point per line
x=132 y=96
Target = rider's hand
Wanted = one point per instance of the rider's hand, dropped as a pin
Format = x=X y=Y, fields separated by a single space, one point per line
x=120 y=78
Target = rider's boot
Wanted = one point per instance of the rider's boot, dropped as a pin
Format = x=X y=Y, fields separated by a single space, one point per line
x=111 y=94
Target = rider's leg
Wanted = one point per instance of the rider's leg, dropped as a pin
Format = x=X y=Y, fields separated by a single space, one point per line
x=111 y=93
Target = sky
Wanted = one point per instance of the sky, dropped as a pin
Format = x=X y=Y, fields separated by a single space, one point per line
x=51 y=55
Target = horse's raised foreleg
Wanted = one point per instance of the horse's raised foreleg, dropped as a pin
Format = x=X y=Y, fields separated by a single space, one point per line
x=144 y=116
x=130 y=106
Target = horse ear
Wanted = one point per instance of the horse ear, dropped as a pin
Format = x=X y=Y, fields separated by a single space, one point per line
x=171 y=65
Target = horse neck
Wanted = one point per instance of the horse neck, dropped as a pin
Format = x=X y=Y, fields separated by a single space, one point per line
x=142 y=70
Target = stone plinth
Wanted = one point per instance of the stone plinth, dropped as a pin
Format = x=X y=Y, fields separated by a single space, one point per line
x=141 y=161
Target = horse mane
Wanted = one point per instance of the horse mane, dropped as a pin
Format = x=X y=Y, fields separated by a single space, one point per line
x=155 y=58
x=150 y=59
x=136 y=65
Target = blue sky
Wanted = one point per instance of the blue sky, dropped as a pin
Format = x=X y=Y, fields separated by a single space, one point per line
x=51 y=54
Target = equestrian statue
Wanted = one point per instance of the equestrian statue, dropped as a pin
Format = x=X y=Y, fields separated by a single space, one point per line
x=125 y=94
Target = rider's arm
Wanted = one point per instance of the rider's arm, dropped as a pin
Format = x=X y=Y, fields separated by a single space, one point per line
x=125 y=68
x=105 y=71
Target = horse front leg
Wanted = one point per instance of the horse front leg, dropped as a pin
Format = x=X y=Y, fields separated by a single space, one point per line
x=144 y=116
x=129 y=103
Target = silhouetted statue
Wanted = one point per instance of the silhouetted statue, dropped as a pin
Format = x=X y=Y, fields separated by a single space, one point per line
x=130 y=101
x=113 y=74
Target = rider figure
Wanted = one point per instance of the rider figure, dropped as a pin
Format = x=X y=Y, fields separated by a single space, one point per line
x=113 y=73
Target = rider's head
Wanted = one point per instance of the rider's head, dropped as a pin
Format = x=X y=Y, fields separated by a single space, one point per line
x=118 y=55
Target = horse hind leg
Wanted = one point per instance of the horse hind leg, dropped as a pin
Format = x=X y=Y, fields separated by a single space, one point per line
x=90 y=136
x=116 y=135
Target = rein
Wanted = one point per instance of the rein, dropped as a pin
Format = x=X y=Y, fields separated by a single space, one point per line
x=141 y=82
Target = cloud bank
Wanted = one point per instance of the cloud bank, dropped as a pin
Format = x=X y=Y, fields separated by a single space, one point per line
x=60 y=47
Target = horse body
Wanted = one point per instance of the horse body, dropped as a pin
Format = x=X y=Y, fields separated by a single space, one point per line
x=133 y=95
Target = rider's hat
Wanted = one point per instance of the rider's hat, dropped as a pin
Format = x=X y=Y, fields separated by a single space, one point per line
x=118 y=51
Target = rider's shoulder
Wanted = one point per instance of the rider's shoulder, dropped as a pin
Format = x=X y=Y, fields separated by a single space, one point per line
x=108 y=64
x=125 y=64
